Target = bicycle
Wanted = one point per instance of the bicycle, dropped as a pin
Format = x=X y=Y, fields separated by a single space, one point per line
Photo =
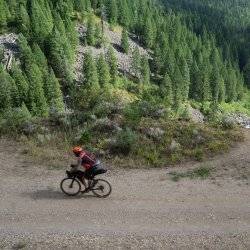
x=72 y=185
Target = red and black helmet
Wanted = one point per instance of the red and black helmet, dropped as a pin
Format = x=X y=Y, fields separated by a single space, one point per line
x=77 y=150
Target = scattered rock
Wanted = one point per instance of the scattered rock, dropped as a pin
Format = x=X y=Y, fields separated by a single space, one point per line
x=29 y=128
x=238 y=118
x=198 y=140
x=174 y=146
x=41 y=138
x=160 y=112
x=228 y=122
x=114 y=38
x=195 y=115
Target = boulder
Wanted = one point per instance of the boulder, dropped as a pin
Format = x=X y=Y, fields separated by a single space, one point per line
x=29 y=128
x=174 y=146
x=229 y=122
x=240 y=119
x=196 y=115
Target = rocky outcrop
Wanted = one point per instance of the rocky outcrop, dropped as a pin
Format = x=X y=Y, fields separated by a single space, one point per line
x=196 y=116
x=114 y=38
x=238 y=118
x=8 y=43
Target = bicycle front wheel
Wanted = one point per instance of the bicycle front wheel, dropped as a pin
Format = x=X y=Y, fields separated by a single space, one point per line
x=102 y=188
x=70 y=186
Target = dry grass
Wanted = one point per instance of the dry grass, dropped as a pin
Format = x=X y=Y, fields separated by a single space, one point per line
x=55 y=153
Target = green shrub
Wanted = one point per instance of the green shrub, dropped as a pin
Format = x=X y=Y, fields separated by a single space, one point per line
x=176 y=157
x=217 y=146
x=124 y=143
x=13 y=120
x=85 y=136
x=202 y=172
x=184 y=113
x=198 y=154
x=132 y=115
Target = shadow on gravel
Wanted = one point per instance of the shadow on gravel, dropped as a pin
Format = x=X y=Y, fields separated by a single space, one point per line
x=48 y=194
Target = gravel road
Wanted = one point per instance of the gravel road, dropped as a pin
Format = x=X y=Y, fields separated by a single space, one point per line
x=146 y=210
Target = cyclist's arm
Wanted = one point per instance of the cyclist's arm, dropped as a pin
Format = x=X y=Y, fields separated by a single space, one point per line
x=77 y=166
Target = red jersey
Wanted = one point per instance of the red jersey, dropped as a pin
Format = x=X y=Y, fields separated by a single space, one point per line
x=87 y=159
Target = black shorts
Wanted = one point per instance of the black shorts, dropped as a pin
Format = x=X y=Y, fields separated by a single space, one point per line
x=95 y=170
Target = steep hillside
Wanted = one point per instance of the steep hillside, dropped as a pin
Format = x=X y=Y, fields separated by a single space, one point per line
x=112 y=38
x=119 y=77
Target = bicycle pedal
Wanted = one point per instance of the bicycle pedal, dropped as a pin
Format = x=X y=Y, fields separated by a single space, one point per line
x=85 y=191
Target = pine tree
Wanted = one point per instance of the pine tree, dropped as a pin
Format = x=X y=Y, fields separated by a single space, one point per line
x=215 y=85
x=64 y=8
x=196 y=88
x=136 y=62
x=9 y=96
x=98 y=36
x=124 y=41
x=71 y=33
x=148 y=33
x=64 y=42
x=90 y=35
x=112 y=61
x=3 y=17
x=90 y=70
x=145 y=71
x=222 y=91
x=15 y=98
x=247 y=73
x=205 y=88
x=113 y=12
x=26 y=55
x=12 y=8
x=177 y=88
x=5 y=93
x=40 y=59
x=21 y=83
x=240 y=86
x=170 y=63
x=40 y=23
x=186 y=78
x=53 y=92
x=103 y=70
x=231 y=84
x=167 y=90
x=158 y=60
x=23 y=20
x=60 y=62
x=36 y=98
x=124 y=16
x=82 y=5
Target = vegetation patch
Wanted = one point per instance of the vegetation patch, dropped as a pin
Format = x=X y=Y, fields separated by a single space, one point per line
x=201 y=172
x=119 y=78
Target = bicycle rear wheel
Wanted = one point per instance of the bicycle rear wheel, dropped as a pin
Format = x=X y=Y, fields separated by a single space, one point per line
x=102 y=188
x=70 y=186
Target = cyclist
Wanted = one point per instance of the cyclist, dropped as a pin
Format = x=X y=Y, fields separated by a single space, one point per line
x=87 y=164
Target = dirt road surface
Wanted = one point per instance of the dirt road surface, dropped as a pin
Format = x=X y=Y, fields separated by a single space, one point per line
x=146 y=210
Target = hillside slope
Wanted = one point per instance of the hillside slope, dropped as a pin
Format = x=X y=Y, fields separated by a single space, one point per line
x=113 y=39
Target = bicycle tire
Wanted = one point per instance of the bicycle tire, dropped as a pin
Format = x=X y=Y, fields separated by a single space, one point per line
x=95 y=188
x=73 y=182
